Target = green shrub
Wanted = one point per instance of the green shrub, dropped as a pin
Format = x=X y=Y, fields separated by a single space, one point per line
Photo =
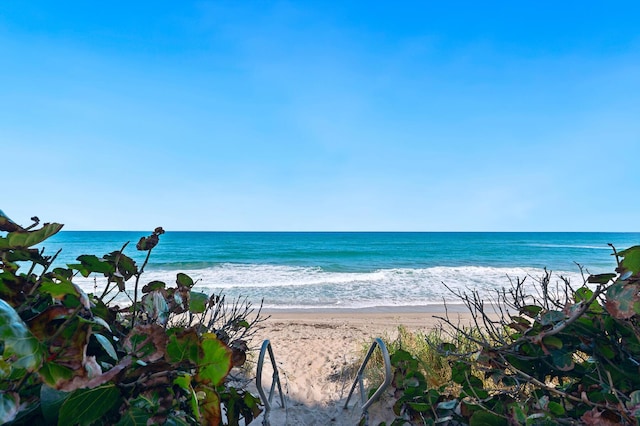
x=563 y=356
x=432 y=363
x=67 y=357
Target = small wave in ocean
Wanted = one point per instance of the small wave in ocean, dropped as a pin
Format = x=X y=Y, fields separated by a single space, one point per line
x=351 y=269
x=312 y=287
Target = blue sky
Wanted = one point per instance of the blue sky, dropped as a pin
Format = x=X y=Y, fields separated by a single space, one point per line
x=354 y=116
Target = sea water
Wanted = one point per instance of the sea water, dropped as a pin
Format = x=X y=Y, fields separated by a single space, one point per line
x=300 y=270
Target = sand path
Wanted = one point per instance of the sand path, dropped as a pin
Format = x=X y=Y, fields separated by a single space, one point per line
x=315 y=353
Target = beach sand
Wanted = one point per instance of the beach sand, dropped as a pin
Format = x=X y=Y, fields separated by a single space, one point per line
x=316 y=351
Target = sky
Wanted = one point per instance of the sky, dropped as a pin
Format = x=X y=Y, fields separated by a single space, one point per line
x=321 y=116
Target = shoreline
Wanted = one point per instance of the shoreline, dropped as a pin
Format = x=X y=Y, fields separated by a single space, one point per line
x=382 y=309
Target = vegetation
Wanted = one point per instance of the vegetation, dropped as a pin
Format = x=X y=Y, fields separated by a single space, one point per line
x=422 y=347
x=563 y=356
x=68 y=357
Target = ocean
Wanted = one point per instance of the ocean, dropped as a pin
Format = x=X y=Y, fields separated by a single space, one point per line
x=341 y=270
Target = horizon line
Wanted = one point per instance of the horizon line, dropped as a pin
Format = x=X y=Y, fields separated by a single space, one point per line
x=354 y=232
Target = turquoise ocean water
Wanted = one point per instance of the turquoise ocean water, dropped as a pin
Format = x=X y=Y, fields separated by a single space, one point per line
x=351 y=270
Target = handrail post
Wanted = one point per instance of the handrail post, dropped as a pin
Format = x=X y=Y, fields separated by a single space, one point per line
x=359 y=377
x=275 y=379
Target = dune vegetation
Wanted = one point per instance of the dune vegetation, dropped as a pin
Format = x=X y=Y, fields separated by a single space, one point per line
x=71 y=357
x=565 y=355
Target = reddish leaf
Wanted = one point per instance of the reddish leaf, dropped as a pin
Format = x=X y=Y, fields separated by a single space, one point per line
x=211 y=413
x=146 y=342
x=596 y=417
x=623 y=300
x=239 y=350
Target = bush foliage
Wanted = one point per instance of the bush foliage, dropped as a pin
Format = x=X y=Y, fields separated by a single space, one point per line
x=562 y=356
x=68 y=357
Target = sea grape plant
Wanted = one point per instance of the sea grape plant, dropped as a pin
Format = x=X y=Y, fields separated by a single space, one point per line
x=564 y=355
x=71 y=357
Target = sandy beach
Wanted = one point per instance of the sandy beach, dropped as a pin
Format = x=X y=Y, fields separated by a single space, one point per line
x=315 y=352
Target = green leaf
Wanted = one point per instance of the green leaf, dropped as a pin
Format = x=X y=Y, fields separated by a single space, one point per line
x=555 y=408
x=448 y=347
x=401 y=355
x=606 y=350
x=552 y=317
x=134 y=416
x=519 y=323
x=600 y=279
x=197 y=302
x=63 y=273
x=459 y=372
x=126 y=266
x=518 y=414
x=20 y=345
x=9 y=406
x=106 y=345
x=484 y=418
x=59 y=290
x=5 y=369
x=583 y=294
x=184 y=280
x=26 y=255
x=530 y=310
x=184 y=382
x=178 y=420
x=25 y=239
x=474 y=386
x=215 y=363
x=563 y=361
x=93 y=264
x=183 y=345
x=419 y=406
x=253 y=406
x=241 y=323
x=631 y=260
x=54 y=374
x=153 y=285
x=552 y=342
x=50 y=401
x=80 y=268
x=85 y=406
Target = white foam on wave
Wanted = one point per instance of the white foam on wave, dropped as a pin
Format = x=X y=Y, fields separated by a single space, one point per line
x=312 y=287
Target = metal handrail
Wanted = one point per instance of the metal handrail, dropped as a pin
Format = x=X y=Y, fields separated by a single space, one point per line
x=266 y=347
x=359 y=379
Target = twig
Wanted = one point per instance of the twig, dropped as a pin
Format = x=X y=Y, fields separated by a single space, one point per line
x=135 y=289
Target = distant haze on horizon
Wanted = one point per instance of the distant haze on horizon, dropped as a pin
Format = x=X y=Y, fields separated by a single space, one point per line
x=314 y=116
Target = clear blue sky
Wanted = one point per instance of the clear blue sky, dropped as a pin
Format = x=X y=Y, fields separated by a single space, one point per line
x=362 y=116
